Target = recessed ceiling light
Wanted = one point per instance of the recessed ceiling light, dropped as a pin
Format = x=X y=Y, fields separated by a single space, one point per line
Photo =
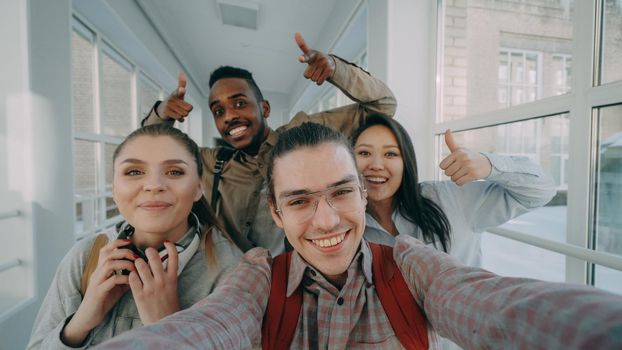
x=239 y=13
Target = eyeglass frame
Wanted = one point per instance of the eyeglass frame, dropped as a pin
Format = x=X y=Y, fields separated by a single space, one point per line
x=322 y=193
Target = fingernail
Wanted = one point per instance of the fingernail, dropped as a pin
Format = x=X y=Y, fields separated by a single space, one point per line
x=167 y=241
x=164 y=257
x=136 y=256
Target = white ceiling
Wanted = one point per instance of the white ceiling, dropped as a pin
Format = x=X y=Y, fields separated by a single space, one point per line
x=195 y=33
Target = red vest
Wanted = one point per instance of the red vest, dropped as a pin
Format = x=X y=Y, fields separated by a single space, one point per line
x=407 y=320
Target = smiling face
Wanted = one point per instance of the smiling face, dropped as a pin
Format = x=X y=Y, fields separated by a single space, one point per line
x=379 y=160
x=155 y=185
x=329 y=239
x=239 y=117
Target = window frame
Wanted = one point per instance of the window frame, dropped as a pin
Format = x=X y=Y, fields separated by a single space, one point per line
x=581 y=103
x=103 y=46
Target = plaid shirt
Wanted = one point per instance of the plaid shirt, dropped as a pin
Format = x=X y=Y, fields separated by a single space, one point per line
x=475 y=308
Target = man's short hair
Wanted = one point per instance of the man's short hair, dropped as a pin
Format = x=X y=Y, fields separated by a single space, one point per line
x=224 y=72
x=307 y=134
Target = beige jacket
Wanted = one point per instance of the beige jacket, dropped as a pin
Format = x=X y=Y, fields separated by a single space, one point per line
x=243 y=206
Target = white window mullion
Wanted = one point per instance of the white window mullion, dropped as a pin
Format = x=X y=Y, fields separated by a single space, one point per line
x=545 y=107
x=581 y=128
x=135 y=104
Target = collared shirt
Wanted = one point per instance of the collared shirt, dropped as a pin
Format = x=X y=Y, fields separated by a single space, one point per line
x=514 y=186
x=474 y=307
x=243 y=205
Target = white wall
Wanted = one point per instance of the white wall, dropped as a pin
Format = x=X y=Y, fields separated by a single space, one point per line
x=39 y=93
x=402 y=52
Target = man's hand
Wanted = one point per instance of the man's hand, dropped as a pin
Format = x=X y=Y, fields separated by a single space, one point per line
x=174 y=106
x=320 y=65
x=464 y=165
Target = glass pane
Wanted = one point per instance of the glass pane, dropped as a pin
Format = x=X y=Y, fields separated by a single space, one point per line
x=531 y=139
x=516 y=41
x=82 y=88
x=608 y=229
x=611 y=69
x=111 y=208
x=608 y=279
x=86 y=177
x=147 y=96
x=508 y=257
x=116 y=98
x=85 y=167
x=109 y=148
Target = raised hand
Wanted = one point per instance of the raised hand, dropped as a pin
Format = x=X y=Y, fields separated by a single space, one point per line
x=154 y=287
x=320 y=65
x=464 y=165
x=174 y=106
x=105 y=289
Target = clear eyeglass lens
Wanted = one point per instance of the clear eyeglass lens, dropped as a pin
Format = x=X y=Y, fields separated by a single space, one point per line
x=302 y=207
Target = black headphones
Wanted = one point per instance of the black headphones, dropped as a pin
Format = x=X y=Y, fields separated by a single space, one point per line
x=127 y=230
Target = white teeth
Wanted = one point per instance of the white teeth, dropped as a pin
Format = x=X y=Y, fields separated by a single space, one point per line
x=376 y=179
x=329 y=242
x=237 y=130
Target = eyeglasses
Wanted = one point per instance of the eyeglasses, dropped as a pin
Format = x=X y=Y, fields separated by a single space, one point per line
x=301 y=207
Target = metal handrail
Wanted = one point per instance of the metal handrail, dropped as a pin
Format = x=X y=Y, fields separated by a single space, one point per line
x=9 y=264
x=10 y=214
x=593 y=256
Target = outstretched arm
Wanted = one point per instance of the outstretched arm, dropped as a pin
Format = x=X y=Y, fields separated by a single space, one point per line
x=229 y=318
x=480 y=310
x=369 y=94
x=512 y=186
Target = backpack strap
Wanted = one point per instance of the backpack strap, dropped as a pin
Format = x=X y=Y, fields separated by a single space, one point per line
x=223 y=155
x=282 y=313
x=91 y=261
x=407 y=320
x=405 y=316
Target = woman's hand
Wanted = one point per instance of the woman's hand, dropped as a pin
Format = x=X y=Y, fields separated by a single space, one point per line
x=464 y=165
x=155 y=288
x=105 y=289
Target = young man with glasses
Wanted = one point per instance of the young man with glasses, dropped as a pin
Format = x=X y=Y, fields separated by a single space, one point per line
x=317 y=198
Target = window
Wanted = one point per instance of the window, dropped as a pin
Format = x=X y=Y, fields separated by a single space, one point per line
x=519 y=40
x=555 y=88
x=611 y=38
x=608 y=196
x=110 y=95
x=519 y=80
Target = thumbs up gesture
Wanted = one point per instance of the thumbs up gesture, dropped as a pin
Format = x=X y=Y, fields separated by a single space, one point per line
x=320 y=66
x=464 y=165
x=174 y=106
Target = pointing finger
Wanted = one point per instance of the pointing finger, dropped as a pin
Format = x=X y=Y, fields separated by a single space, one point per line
x=449 y=140
x=181 y=85
x=300 y=41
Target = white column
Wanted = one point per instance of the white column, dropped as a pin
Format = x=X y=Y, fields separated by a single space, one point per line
x=39 y=91
x=402 y=52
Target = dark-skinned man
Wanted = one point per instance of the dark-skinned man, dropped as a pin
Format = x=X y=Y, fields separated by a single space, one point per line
x=240 y=112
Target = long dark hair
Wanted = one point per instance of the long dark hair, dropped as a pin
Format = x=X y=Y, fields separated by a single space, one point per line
x=201 y=208
x=421 y=211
